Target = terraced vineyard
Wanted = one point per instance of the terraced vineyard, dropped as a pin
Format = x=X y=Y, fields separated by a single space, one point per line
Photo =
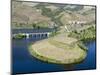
x=57 y=50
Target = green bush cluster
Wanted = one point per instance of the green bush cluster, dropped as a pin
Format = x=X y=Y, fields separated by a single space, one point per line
x=84 y=35
x=52 y=34
x=19 y=36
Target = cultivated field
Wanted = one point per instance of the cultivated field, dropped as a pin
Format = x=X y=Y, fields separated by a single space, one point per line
x=58 y=48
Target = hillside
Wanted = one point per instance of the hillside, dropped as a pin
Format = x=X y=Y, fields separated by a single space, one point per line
x=24 y=15
x=44 y=15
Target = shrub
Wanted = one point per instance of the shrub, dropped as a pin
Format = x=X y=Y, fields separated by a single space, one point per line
x=19 y=36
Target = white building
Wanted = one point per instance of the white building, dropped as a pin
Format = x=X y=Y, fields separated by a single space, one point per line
x=77 y=22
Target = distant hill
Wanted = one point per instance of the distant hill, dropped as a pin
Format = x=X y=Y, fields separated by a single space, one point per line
x=25 y=14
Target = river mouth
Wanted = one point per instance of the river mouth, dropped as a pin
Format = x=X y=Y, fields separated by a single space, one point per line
x=23 y=59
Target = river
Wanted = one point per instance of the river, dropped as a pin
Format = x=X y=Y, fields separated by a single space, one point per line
x=23 y=62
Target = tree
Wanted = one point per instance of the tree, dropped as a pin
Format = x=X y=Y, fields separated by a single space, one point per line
x=34 y=25
x=38 y=27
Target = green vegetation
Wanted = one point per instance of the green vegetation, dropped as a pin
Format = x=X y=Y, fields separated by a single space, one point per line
x=34 y=25
x=47 y=12
x=75 y=8
x=52 y=34
x=42 y=24
x=55 y=32
x=39 y=25
x=84 y=35
x=82 y=46
x=19 y=36
x=52 y=14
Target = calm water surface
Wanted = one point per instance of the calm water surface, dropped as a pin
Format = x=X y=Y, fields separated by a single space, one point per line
x=23 y=62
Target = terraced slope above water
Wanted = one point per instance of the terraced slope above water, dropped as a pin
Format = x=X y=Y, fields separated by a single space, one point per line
x=56 y=51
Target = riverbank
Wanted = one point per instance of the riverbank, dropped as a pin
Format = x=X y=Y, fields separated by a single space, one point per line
x=63 y=48
x=58 y=49
x=21 y=54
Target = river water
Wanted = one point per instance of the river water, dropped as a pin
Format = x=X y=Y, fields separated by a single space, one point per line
x=23 y=62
